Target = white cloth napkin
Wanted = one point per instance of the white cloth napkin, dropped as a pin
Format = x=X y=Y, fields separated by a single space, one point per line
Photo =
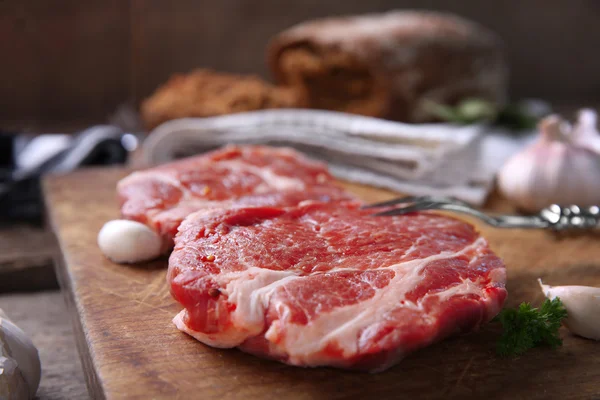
x=435 y=159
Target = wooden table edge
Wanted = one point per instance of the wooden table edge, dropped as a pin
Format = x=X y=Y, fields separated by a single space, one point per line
x=93 y=381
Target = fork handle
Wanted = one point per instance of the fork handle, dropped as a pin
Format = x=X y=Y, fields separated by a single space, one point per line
x=571 y=217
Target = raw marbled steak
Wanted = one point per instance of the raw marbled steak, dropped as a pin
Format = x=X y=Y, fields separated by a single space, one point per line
x=329 y=284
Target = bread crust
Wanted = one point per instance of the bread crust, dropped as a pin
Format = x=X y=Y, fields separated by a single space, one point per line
x=406 y=57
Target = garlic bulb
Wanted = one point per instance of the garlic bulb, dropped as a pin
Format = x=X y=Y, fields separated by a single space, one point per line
x=583 y=308
x=556 y=169
x=125 y=241
x=20 y=368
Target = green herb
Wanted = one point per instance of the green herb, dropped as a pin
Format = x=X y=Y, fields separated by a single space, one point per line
x=527 y=327
x=467 y=111
x=514 y=116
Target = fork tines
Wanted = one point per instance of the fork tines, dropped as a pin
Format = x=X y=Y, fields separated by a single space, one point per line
x=421 y=200
x=398 y=200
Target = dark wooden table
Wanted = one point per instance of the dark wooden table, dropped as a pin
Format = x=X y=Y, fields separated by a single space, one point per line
x=26 y=254
x=43 y=316
x=30 y=296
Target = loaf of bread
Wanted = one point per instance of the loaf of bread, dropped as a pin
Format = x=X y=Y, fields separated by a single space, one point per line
x=390 y=65
x=206 y=93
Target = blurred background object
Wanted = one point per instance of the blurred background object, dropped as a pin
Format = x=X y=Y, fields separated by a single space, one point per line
x=29 y=157
x=68 y=64
x=206 y=93
x=390 y=65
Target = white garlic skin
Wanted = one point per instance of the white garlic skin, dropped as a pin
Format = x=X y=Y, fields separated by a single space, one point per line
x=551 y=171
x=585 y=132
x=124 y=241
x=583 y=308
x=20 y=368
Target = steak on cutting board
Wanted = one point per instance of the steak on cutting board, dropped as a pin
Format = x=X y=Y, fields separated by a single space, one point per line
x=161 y=197
x=327 y=284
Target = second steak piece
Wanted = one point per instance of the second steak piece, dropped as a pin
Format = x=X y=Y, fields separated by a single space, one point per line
x=234 y=176
x=328 y=284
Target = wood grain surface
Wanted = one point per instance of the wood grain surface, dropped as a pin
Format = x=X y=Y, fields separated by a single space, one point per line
x=130 y=348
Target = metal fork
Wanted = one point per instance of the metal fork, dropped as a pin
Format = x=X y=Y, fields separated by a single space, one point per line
x=554 y=217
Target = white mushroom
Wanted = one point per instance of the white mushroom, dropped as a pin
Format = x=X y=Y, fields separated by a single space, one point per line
x=125 y=241
x=20 y=368
x=583 y=308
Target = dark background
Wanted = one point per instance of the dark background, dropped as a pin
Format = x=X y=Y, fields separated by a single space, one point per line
x=73 y=62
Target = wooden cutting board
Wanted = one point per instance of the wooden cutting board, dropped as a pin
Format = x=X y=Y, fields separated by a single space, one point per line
x=131 y=350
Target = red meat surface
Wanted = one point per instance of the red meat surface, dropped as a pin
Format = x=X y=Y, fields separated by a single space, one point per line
x=233 y=176
x=329 y=284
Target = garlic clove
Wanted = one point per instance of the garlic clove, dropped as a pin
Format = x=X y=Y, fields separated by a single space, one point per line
x=552 y=170
x=583 y=308
x=585 y=132
x=125 y=241
x=20 y=368
x=12 y=382
x=554 y=128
